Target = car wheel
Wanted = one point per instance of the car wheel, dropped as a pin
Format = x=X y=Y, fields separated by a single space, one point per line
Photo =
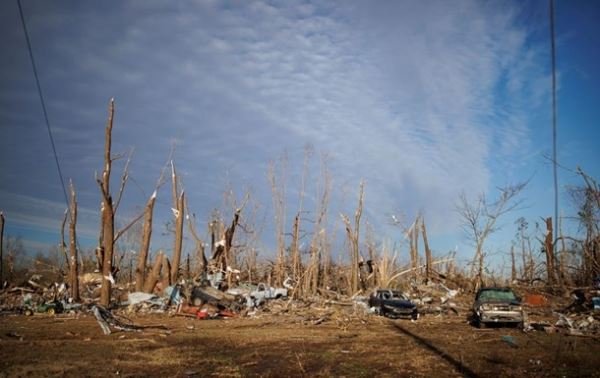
x=28 y=312
x=51 y=311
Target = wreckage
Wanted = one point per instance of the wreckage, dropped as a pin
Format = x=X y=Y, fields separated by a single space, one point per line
x=497 y=305
x=393 y=304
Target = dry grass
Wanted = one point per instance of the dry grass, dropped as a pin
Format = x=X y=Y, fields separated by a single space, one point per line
x=274 y=346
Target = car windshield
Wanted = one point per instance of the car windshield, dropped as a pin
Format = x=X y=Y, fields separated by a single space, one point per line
x=399 y=295
x=497 y=295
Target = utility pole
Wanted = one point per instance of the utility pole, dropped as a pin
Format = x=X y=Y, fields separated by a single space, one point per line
x=554 y=162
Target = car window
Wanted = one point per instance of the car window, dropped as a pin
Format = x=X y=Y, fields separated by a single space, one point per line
x=497 y=295
x=399 y=295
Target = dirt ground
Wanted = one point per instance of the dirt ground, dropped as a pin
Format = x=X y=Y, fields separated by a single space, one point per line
x=282 y=346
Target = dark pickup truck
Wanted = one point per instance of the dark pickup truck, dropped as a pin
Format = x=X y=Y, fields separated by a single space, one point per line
x=497 y=305
x=393 y=304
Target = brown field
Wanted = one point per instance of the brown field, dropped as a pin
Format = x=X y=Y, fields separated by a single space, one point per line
x=276 y=346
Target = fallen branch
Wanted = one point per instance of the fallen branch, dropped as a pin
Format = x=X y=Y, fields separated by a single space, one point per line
x=106 y=319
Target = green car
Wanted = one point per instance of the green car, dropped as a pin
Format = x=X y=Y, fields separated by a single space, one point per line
x=498 y=305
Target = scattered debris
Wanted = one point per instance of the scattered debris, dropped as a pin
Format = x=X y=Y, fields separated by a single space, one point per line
x=263 y=293
x=596 y=303
x=510 y=341
x=107 y=319
x=15 y=335
x=535 y=300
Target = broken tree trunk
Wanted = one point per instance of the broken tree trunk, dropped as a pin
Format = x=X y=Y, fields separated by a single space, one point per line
x=154 y=275
x=187 y=267
x=178 y=210
x=565 y=278
x=278 y=189
x=229 y=233
x=427 y=250
x=513 y=265
x=108 y=221
x=294 y=249
x=63 y=245
x=73 y=262
x=549 y=247
x=140 y=271
x=199 y=244
x=353 y=237
x=166 y=273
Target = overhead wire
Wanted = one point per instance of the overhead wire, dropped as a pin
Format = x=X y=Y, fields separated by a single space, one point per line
x=45 y=112
x=554 y=120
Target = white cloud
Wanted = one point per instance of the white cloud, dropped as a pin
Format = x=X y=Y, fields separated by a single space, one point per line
x=419 y=98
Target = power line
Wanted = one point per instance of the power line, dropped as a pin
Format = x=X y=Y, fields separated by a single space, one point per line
x=39 y=88
x=554 y=119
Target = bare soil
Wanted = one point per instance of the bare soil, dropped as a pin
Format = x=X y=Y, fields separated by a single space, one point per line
x=282 y=346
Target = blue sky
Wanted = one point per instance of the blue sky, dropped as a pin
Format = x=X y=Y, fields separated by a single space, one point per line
x=422 y=100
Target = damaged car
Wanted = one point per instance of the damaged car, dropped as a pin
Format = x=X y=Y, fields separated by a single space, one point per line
x=393 y=304
x=263 y=293
x=497 y=305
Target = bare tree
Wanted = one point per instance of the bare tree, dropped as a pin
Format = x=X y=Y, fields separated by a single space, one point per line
x=428 y=259
x=587 y=201
x=549 y=249
x=140 y=270
x=107 y=211
x=278 y=189
x=319 y=236
x=199 y=250
x=63 y=245
x=74 y=260
x=178 y=212
x=513 y=265
x=108 y=237
x=527 y=271
x=353 y=239
x=166 y=273
x=479 y=221
x=154 y=275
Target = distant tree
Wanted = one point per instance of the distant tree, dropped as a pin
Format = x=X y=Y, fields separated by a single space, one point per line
x=479 y=220
x=586 y=199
